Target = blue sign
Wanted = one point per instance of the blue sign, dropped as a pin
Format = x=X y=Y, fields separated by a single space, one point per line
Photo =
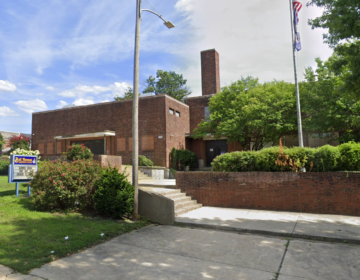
x=20 y=169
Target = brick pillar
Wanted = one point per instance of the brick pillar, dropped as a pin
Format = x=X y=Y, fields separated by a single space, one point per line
x=210 y=74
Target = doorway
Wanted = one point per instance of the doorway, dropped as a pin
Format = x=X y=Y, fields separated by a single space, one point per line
x=215 y=148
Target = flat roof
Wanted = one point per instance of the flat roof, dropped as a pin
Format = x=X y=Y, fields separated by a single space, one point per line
x=87 y=135
x=115 y=101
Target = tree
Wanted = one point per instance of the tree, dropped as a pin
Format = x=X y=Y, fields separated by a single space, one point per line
x=2 y=142
x=21 y=142
x=329 y=104
x=341 y=17
x=167 y=82
x=129 y=94
x=247 y=109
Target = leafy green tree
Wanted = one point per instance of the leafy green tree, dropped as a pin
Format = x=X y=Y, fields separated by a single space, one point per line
x=247 y=109
x=2 y=141
x=167 y=82
x=341 y=18
x=129 y=94
x=329 y=104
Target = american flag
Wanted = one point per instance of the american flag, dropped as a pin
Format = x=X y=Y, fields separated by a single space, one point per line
x=296 y=7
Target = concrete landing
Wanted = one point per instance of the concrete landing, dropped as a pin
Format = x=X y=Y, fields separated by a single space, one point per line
x=326 y=227
x=165 y=183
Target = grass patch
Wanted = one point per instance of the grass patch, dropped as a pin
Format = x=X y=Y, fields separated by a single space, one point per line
x=27 y=236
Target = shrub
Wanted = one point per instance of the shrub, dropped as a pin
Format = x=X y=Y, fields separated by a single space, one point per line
x=350 y=156
x=4 y=165
x=19 y=151
x=21 y=142
x=327 y=158
x=182 y=158
x=62 y=185
x=144 y=161
x=345 y=157
x=78 y=151
x=114 y=195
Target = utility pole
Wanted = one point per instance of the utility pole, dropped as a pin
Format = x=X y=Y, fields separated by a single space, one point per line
x=298 y=109
x=135 y=120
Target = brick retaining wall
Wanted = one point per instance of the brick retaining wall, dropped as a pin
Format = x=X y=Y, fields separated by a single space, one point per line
x=322 y=193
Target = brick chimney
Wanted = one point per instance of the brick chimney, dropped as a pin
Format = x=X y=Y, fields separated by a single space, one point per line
x=210 y=75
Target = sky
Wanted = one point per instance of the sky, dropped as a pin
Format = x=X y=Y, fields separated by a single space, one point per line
x=56 y=53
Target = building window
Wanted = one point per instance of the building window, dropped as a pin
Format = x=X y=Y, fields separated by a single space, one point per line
x=171 y=111
x=177 y=114
x=206 y=114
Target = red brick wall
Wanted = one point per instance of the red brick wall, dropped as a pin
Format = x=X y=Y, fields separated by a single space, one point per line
x=176 y=127
x=197 y=105
x=113 y=161
x=210 y=73
x=114 y=116
x=322 y=193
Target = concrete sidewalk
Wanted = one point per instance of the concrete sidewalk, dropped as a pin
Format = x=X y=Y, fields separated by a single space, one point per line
x=315 y=226
x=168 y=252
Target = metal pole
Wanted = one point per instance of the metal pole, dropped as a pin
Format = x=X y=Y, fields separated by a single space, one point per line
x=301 y=144
x=17 y=189
x=135 y=124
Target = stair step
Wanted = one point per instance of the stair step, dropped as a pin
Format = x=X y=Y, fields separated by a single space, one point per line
x=187 y=209
x=181 y=199
x=175 y=195
x=168 y=193
x=184 y=204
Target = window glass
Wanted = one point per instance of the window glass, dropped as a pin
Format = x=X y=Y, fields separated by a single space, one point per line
x=177 y=114
x=206 y=113
x=171 y=111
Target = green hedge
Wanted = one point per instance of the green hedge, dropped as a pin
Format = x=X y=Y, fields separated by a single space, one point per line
x=345 y=157
x=4 y=165
x=144 y=161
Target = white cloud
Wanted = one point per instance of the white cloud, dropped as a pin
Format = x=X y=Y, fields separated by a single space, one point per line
x=31 y=105
x=7 y=86
x=82 y=101
x=253 y=38
x=6 y=111
x=81 y=90
x=61 y=104
x=50 y=88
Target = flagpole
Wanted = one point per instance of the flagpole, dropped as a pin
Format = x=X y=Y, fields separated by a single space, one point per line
x=300 y=134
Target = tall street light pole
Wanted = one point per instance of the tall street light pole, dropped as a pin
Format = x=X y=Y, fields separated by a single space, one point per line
x=135 y=116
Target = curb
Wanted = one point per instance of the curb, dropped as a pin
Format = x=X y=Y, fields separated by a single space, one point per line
x=271 y=233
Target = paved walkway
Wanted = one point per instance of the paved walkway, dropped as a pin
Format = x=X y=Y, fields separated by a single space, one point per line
x=170 y=252
x=327 y=227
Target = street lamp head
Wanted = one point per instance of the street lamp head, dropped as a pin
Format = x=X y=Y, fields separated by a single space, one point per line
x=169 y=24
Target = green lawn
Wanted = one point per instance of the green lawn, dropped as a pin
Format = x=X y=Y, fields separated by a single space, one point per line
x=27 y=236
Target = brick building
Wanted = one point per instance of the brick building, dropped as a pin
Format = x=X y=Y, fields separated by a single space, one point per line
x=106 y=128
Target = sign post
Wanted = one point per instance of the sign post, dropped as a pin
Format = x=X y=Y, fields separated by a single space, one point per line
x=20 y=169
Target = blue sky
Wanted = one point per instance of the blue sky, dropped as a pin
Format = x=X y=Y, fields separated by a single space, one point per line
x=56 y=53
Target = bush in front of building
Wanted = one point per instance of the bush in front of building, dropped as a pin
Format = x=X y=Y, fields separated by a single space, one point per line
x=62 y=185
x=144 y=161
x=4 y=165
x=182 y=158
x=114 y=195
x=345 y=157
x=21 y=142
x=78 y=151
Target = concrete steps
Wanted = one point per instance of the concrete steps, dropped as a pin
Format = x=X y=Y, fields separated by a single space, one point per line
x=128 y=172
x=182 y=203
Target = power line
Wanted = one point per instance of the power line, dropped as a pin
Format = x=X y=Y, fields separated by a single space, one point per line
x=149 y=4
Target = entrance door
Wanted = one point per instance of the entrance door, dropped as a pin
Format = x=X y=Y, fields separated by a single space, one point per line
x=95 y=146
x=214 y=149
